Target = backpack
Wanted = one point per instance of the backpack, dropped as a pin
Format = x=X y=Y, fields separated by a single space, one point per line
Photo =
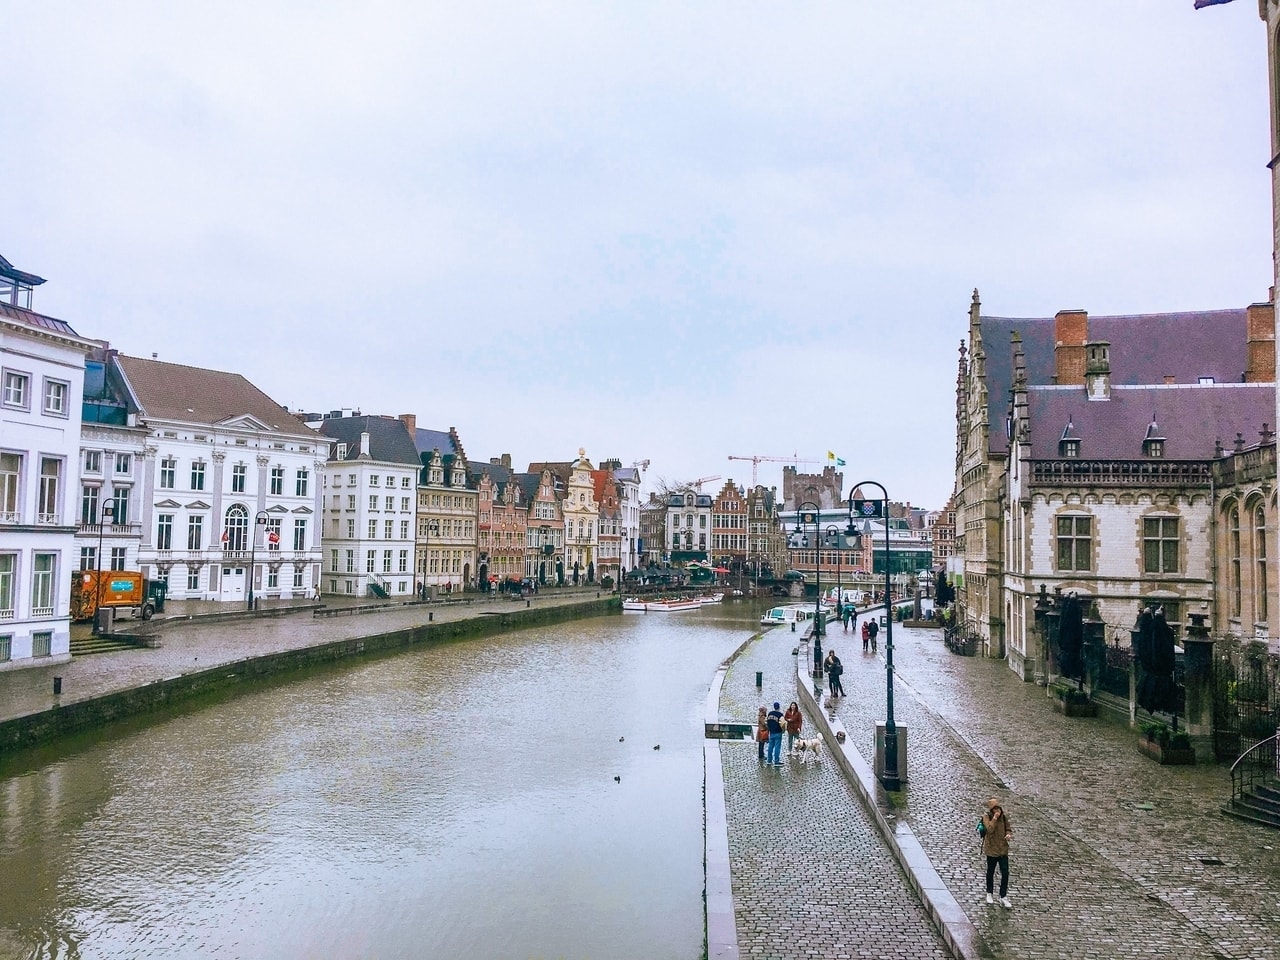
x=982 y=829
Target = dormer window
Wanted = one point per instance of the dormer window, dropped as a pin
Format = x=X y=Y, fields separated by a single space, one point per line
x=1071 y=449
x=1069 y=442
x=1153 y=442
x=342 y=451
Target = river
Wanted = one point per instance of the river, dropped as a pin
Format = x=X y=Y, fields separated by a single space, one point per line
x=453 y=801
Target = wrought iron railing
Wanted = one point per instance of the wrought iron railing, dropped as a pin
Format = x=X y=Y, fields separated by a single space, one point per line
x=1255 y=767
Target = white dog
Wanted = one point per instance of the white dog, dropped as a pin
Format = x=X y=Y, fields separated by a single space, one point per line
x=805 y=749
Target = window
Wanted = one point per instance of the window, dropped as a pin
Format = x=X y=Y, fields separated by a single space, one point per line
x=15 y=389
x=119 y=555
x=271 y=536
x=300 y=484
x=297 y=579
x=351 y=529
x=1233 y=556
x=391 y=482
x=373 y=480
x=277 y=481
x=1160 y=544
x=193 y=578
x=197 y=475
x=333 y=560
x=88 y=505
x=10 y=473
x=273 y=579
x=387 y=529
x=404 y=504
x=299 y=535
x=238 y=474
x=1260 y=565
x=404 y=561
x=50 y=475
x=1075 y=543
x=93 y=461
x=404 y=529
x=8 y=570
x=1071 y=448
x=386 y=561
x=351 y=561
x=351 y=501
x=371 y=561
x=373 y=503
x=42 y=643
x=44 y=566
x=120 y=509
x=341 y=453
x=168 y=467
x=235 y=531
x=164 y=531
x=56 y=393
x=351 y=479
x=195 y=533
x=124 y=464
x=88 y=558
x=404 y=483
x=6 y=647
x=390 y=504
x=373 y=529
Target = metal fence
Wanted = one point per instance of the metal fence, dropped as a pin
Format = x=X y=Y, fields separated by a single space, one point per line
x=1246 y=700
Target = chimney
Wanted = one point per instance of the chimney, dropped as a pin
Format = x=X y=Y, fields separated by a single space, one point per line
x=1097 y=370
x=364 y=445
x=1070 y=331
x=1260 y=343
x=506 y=460
x=410 y=420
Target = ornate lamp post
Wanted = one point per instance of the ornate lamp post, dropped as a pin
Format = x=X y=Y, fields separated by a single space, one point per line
x=803 y=518
x=832 y=537
x=891 y=777
x=259 y=522
x=108 y=513
x=432 y=529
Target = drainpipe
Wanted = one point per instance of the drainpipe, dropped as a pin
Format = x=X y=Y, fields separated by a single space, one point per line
x=1213 y=548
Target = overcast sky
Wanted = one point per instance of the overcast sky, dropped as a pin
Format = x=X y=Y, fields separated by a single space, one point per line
x=663 y=231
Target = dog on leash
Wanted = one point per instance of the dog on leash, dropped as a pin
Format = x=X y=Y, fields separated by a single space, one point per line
x=805 y=749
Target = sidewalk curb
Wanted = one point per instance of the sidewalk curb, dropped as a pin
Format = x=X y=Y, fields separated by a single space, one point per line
x=958 y=932
x=722 y=918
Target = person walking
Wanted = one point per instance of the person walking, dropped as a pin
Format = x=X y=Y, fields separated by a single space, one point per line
x=775 y=724
x=996 y=833
x=762 y=731
x=848 y=616
x=873 y=628
x=834 y=669
x=794 y=720
x=866 y=636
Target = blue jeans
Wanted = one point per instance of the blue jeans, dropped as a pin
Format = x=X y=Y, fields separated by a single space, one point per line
x=774 y=754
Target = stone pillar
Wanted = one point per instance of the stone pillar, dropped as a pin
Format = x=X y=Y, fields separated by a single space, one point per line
x=1095 y=648
x=1041 y=633
x=1198 y=683
x=1053 y=622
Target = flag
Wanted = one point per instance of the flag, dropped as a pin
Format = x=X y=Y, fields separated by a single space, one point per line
x=867 y=508
x=273 y=535
x=225 y=536
x=832 y=458
x=1209 y=3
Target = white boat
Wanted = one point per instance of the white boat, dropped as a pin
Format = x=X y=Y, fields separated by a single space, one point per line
x=664 y=606
x=790 y=613
x=710 y=598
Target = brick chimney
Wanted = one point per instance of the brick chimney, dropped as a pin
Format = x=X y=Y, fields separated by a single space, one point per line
x=410 y=420
x=1070 y=331
x=1260 y=339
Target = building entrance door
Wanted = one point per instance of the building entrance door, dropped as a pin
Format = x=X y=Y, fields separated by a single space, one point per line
x=233 y=584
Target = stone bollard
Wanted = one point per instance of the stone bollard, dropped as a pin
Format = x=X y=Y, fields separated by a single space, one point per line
x=759 y=679
x=57 y=686
x=430 y=615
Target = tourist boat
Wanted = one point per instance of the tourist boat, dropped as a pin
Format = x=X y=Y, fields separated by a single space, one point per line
x=637 y=605
x=710 y=598
x=792 y=613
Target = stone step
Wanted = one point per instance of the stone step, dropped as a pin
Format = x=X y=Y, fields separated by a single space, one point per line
x=92 y=645
x=1241 y=810
x=1268 y=792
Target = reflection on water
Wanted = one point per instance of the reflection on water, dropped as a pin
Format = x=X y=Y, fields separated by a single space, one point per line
x=456 y=801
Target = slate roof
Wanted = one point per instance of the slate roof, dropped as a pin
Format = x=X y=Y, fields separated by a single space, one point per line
x=173 y=391
x=1191 y=418
x=428 y=440
x=389 y=440
x=497 y=471
x=528 y=483
x=1145 y=348
x=30 y=318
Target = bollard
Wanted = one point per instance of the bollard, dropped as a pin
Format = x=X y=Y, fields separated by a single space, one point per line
x=431 y=615
x=526 y=604
x=57 y=686
x=759 y=679
x=793 y=626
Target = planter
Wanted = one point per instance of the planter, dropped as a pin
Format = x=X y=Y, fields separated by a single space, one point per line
x=1075 y=709
x=1167 y=756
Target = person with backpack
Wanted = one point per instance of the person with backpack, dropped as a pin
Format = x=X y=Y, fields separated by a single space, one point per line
x=995 y=830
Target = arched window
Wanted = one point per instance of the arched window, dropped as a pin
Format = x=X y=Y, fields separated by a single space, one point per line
x=1260 y=564
x=1233 y=558
x=235 y=532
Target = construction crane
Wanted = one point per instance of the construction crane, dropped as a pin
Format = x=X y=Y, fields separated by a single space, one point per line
x=701 y=480
x=759 y=458
x=642 y=464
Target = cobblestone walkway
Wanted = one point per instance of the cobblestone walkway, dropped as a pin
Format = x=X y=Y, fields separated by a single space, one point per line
x=1109 y=853
x=811 y=877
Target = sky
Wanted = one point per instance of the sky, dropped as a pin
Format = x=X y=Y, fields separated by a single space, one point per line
x=654 y=231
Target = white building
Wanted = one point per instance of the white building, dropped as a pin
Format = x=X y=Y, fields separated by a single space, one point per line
x=628 y=480
x=370 y=484
x=41 y=385
x=689 y=526
x=230 y=485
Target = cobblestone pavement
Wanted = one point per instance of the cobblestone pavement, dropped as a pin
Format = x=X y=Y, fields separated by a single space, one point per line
x=811 y=876
x=191 y=645
x=1109 y=847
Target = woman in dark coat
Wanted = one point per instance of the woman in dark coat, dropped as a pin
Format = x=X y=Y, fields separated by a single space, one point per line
x=834 y=669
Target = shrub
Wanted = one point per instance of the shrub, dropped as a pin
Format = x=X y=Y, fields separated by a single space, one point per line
x=1071 y=695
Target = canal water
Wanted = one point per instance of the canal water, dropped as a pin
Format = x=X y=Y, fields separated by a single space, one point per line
x=533 y=795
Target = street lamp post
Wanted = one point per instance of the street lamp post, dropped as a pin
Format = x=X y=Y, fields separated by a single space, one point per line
x=108 y=513
x=891 y=777
x=804 y=517
x=833 y=538
x=260 y=520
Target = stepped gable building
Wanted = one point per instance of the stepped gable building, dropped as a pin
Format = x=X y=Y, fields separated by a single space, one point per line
x=231 y=488
x=544 y=530
x=767 y=554
x=42 y=369
x=370 y=483
x=1084 y=459
x=502 y=522
x=609 y=501
x=653 y=531
x=580 y=512
x=447 y=512
x=729 y=539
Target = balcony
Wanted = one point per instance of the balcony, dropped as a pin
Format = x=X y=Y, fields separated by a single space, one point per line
x=6 y=614
x=110 y=529
x=47 y=519
x=38 y=612
x=8 y=516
